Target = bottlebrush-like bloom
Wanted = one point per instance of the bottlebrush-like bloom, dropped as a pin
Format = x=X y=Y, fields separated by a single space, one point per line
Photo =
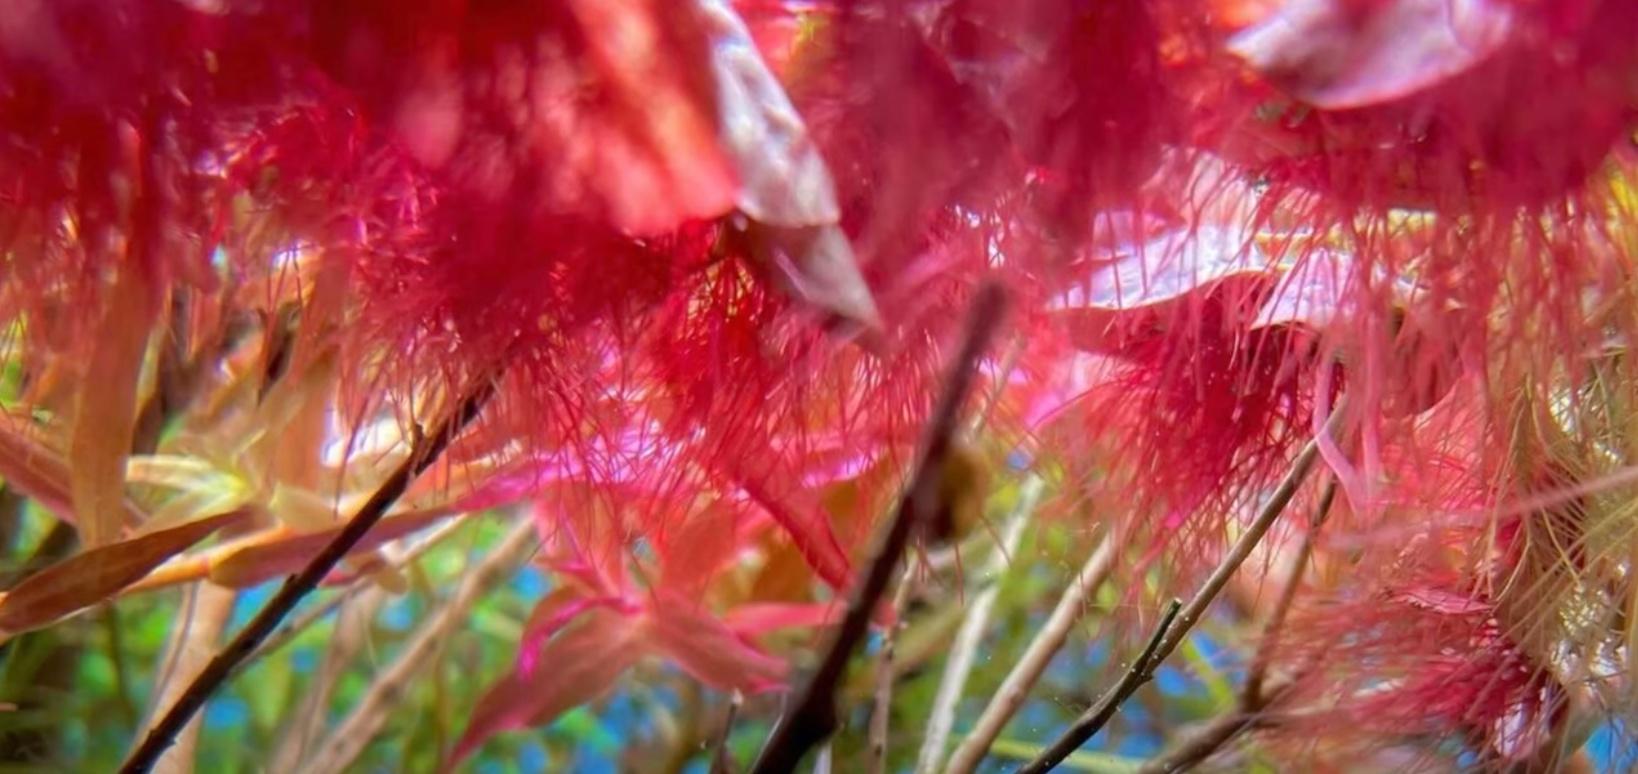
x=1470 y=606
x=1434 y=661
x=708 y=254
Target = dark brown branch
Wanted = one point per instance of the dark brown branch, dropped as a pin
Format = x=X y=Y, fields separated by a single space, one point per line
x=1204 y=743
x=307 y=619
x=1248 y=540
x=422 y=455
x=1098 y=715
x=1171 y=637
x=812 y=716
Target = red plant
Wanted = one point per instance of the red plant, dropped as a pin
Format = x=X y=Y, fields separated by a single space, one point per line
x=709 y=255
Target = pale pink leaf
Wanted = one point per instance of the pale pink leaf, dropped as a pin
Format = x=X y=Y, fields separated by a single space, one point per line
x=1310 y=294
x=1166 y=269
x=783 y=179
x=1339 y=54
x=786 y=192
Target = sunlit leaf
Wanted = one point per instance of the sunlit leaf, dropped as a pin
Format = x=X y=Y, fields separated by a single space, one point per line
x=98 y=574
x=1311 y=294
x=105 y=408
x=176 y=471
x=1337 y=54
x=284 y=553
x=1166 y=269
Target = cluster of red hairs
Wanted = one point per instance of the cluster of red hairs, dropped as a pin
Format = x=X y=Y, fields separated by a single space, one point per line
x=711 y=253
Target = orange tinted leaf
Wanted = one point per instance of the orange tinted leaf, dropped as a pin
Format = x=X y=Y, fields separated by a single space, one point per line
x=785 y=575
x=105 y=409
x=576 y=666
x=285 y=554
x=97 y=574
x=798 y=515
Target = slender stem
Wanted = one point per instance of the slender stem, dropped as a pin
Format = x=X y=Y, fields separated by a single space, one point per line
x=962 y=653
x=343 y=745
x=299 y=585
x=1098 y=715
x=1015 y=688
x=1015 y=350
x=1258 y=691
x=821 y=762
x=812 y=717
x=307 y=619
x=195 y=635
x=303 y=622
x=722 y=759
x=349 y=636
x=170 y=659
x=880 y=715
x=1204 y=743
x=1172 y=636
x=1257 y=674
x=1247 y=542
x=116 y=655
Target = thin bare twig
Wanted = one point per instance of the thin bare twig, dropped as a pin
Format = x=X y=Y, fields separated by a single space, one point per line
x=1252 y=696
x=812 y=718
x=880 y=714
x=960 y=663
x=1202 y=600
x=193 y=639
x=307 y=619
x=351 y=634
x=299 y=585
x=1248 y=540
x=1204 y=743
x=943 y=559
x=1098 y=715
x=342 y=746
x=821 y=762
x=1036 y=657
x=1258 y=692
x=722 y=759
